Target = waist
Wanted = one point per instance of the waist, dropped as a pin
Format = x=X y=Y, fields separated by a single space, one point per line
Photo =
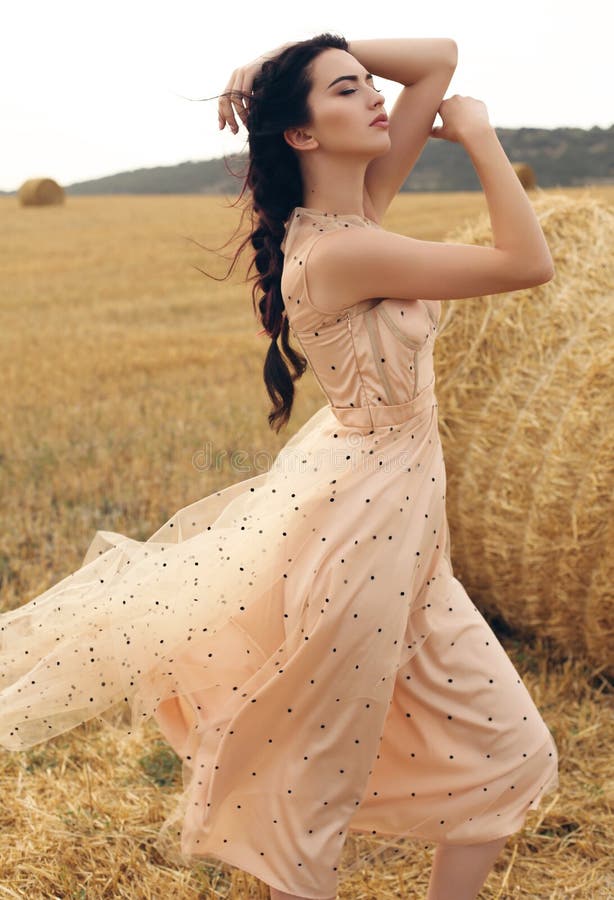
x=378 y=416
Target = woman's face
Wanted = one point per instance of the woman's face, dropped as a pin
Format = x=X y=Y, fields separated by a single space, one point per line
x=342 y=110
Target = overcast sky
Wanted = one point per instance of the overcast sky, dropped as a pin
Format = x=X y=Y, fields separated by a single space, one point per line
x=88 y=89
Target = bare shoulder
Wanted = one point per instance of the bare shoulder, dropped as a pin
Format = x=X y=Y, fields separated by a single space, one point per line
x=329 y=267
x=329 y=288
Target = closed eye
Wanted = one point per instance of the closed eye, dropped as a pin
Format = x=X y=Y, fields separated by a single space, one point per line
x=353 y=91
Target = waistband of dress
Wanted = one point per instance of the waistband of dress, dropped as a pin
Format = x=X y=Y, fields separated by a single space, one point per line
x=379 y=416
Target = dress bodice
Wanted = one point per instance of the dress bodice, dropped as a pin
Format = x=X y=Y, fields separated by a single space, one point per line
x=372 y=360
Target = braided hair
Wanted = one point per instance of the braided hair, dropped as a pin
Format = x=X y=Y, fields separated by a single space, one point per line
x=279 y=100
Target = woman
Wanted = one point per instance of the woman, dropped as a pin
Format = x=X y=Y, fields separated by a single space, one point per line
x=300 y=637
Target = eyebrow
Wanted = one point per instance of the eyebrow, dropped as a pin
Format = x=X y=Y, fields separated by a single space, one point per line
x=348 y=78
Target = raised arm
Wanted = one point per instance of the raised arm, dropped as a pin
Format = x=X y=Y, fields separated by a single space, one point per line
x=425 y=67
x=367 y=263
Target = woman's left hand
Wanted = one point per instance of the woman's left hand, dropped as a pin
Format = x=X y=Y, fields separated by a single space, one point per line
x=238 y=91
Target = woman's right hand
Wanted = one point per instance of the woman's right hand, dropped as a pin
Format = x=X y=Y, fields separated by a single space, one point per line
x=236 y=95
x=460 y=116
x=235 y=98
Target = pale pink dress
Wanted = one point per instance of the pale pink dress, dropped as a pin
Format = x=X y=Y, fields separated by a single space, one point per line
x=300 y=636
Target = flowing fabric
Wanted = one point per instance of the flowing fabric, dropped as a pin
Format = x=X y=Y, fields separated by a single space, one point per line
x=300 y=637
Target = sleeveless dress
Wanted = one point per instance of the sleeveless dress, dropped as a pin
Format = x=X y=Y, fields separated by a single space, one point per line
x=299 y=636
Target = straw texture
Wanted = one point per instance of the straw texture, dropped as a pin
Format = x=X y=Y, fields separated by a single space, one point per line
x=40 y=192
x=524 y=384
x=525 y=174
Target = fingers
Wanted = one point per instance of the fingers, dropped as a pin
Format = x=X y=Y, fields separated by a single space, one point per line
x=246 y=91
x=225 y=105
x=233 y=102
x=226 y=111
x=235 y=99
x=237 y=102
x=230 y=102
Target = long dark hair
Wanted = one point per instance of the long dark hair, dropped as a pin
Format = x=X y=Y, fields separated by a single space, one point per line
x=278 y=101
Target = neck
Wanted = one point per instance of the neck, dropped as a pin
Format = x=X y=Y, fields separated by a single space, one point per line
x=336 y=185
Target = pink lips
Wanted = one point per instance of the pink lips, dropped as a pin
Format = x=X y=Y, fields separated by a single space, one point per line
x=381 y=120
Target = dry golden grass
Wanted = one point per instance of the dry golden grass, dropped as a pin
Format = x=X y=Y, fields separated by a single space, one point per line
x=120 y=362
x=524 y=386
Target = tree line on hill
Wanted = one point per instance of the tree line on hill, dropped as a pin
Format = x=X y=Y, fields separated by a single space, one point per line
x=559 y=157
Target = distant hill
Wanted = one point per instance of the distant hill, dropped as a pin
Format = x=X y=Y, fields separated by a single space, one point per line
x=561 y=157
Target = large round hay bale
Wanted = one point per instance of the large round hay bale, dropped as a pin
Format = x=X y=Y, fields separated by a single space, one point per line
x=526 y=175
x=40 y=192
x=524 y=386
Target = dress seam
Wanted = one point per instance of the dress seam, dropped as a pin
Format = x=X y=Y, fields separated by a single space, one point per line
x=416 y=375
x=359 y=372
x=377 y=351
x=396 y=331
x=312 y=367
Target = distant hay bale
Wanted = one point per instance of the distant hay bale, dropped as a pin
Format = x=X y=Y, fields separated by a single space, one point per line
x=524 y=385
x=40 y=192
x=526 y=175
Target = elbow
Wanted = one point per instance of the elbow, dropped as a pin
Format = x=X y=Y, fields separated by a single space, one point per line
x=451 y=52
x=542 y=272
x=544 y=275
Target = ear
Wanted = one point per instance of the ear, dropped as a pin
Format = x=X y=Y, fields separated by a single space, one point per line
x=300 y=139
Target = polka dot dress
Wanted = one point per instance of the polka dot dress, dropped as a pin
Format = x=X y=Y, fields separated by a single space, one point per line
x=299 y=637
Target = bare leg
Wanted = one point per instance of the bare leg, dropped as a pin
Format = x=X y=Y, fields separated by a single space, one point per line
x=459 y=871
x=279 y=895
